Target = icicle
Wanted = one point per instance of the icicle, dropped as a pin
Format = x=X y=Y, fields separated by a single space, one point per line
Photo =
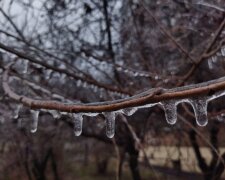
x=95 y=89
x=34 y=124
x=210 y=64
x=200 y=109
x=214 y=59
x=55 y=114
x=119 y=68
x=110 y=124
x=101 y=92
x=16 y=115
x=170 y=109
x=223 y=51
x=48 y=74
x=62 y=77
x=79 y=82
x=84 y=84
x=135 y=74
x=129 y=111
x=218 y=54
x=25 y=68
x=78 y=123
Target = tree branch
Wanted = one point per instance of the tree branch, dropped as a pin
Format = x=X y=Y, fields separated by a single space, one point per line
x=154 y=95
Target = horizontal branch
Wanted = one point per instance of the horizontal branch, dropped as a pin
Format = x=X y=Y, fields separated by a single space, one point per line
x=154 y=95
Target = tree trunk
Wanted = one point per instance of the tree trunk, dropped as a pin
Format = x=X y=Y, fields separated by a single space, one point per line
x=120 y=168
x=133 y=163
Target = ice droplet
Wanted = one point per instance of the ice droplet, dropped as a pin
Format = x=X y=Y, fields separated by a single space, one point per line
x=129 y=111
x=34 y=124
x=170 y=109
x=200 y=109
x=110 y=124
x=78 y=123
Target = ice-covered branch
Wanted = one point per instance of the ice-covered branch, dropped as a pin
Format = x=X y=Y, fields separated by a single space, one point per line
x=210 y=90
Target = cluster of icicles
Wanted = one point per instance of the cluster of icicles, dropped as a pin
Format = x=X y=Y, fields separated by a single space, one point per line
x=79 y=82
x=199 y=105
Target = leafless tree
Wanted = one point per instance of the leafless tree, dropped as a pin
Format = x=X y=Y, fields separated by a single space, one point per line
x=81 y=65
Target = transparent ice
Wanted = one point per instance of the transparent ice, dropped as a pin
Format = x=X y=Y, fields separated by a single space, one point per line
x=170 y=109
x=78 y=123
x=200 y=109
x=110 y=123
x=17 y=110
x=55 y=114
x=34 y=124
x=129 y=111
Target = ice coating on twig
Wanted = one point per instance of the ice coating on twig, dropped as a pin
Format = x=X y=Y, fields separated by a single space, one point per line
x=91 y=114
x=55 y=114
x=129 y=111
